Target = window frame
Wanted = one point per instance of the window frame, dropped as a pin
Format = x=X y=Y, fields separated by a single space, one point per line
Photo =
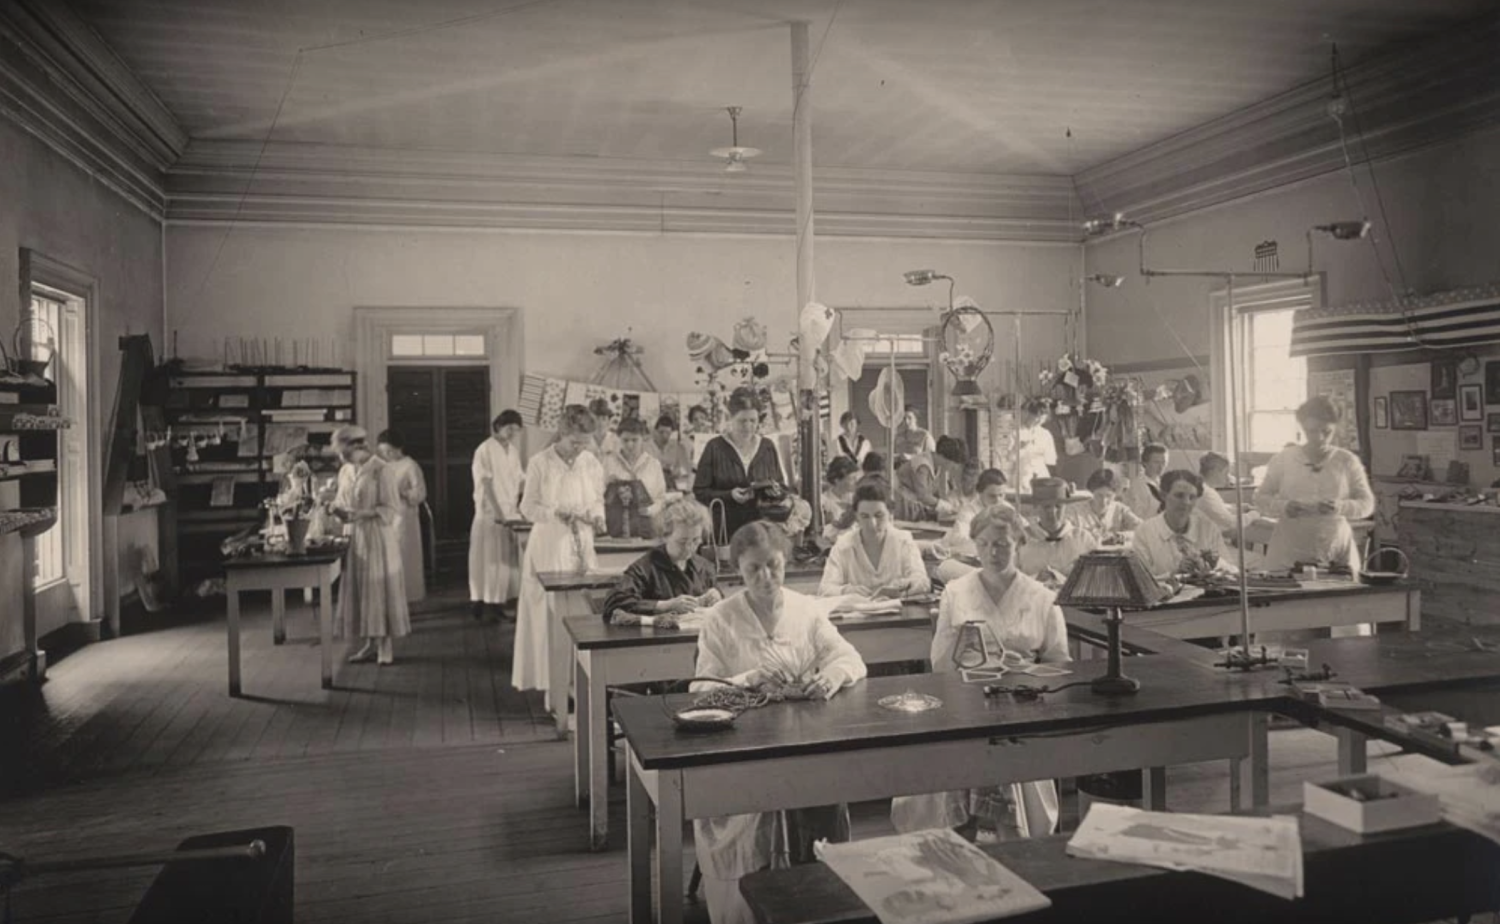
x=1233 y=332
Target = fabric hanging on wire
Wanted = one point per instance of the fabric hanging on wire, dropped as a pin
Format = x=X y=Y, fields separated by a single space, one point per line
x=888 y=398
x=1464 y=317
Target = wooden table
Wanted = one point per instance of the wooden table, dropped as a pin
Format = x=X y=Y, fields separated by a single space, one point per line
x=791 y=755
x=278 y=574
x=606 y=655
x=1402 y=877
x=1318 y=605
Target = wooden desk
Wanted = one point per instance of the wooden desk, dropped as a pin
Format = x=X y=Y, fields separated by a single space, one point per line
x=606 y=655
x=1403 y=877
x=791 y=755
x=1331 y=603
x=278 y=574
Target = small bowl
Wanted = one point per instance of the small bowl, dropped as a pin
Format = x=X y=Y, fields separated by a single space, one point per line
x=703 y=719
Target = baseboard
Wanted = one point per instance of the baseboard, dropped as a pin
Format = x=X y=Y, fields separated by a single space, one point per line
x=17 y=666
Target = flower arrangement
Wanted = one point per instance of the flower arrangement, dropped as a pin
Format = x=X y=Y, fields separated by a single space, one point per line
x=1094 y=408
x=298 y=498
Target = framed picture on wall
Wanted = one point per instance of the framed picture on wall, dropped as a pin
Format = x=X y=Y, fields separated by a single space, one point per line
x=1444 y=412
x=1408 y=410
x=1495 y=454
x=1492 y=382
x=1492 y=423
x=1470 y=436
x=1444 y=379
x=1382 y=414
x=1470 y=402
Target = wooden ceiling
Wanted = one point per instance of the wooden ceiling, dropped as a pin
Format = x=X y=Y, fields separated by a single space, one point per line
x=964 y=86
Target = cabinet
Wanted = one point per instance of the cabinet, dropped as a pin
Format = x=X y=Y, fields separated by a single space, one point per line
x=1454 y=551
x=29 y=421
x=227 y=430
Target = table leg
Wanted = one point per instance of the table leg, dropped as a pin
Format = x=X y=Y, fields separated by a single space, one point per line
x=1235 y=772
x=233 y=623
x=1352 y=754
x=669 y=847
x=638 y=846
x=597 y=737
x=559 y=671
x=1154 y=788
x=325 y=626
x=1254 y=771
x=581 y=734
x=278 y=616
x=1413 y=610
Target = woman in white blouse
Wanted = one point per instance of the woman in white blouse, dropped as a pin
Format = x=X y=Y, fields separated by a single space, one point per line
x=1314 y=490
x=499 y=475
x=564 y=497
x=876 y=559
x=1029 y=624
x=1179 y=538
x=764 y=633
x=1103 y=515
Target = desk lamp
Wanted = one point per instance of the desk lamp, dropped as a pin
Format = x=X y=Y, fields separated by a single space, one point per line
x=1113 y=580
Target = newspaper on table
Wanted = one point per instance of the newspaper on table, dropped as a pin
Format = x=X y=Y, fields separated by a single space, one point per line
x=1263 y=853
x=930 y=877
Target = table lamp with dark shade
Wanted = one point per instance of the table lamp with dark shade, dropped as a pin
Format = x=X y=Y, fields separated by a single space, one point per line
x=1113 y=580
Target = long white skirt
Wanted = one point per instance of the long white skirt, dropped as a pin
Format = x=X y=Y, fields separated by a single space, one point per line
x=492 y=562
x=409 y=528
x=372 y=593
x=550 y=548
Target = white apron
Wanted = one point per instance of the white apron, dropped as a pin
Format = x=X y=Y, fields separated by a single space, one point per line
x=494 y=575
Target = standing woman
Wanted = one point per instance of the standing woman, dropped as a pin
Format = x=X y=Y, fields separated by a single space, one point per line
x=411 y=489
x=372 y=594
x=762 y=634
x=499 y=475
x=1038 y=449
x=564 y=497
x=733 y=462
x=1314 y=490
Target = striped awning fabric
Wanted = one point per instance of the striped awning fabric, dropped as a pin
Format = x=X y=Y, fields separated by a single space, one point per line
x=1463 y=317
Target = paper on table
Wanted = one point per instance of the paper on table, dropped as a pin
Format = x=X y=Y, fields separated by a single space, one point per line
x=1263 y=853
x=1468 y=793
x=930 y=877
x=854 y=605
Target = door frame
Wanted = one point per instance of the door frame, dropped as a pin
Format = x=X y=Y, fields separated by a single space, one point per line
x=439 y=365
x=100 y=585
x=373 y=327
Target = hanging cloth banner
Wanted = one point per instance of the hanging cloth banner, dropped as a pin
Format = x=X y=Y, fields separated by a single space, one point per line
x=1464 y=317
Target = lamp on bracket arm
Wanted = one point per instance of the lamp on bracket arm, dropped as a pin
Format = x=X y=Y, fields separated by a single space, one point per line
x=926 y=277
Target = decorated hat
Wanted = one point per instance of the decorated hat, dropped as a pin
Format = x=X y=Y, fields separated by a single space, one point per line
x=1052 y=491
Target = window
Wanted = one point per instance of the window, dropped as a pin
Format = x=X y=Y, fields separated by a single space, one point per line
x=1275 y=382
x=437 y=346
x=49 y=545
x=906 y=345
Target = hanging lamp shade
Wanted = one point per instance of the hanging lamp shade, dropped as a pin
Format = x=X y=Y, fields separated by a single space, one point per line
x=888 y=398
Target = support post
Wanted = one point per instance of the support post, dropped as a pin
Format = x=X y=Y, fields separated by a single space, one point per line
x=809 y=426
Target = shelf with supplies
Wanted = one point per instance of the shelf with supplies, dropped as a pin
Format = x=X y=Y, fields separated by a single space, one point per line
x=29 y=425
x=229 y=434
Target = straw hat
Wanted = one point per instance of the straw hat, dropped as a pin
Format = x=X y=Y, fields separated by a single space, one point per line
x=1052 y=491
x=350 y=433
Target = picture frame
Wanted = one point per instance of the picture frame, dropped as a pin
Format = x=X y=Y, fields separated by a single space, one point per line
x=1495 y=454
x=1444 y=379
x=1470 y=402
x=1444 y=412
x=1492 y=423
x=1409 y=410
x=1383 y=414
x=1492 y=381
x=1470 y=436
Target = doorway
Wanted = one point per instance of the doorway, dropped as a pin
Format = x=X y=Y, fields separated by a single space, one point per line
x=913 y=376
x=444 y=413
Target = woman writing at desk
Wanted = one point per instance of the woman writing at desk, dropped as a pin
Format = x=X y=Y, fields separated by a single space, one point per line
x=1313 y=490
x=763 y=634
x=1022 y=615
x=876 y=559
x=671 y=579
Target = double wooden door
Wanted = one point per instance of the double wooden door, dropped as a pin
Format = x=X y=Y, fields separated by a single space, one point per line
x=444 y=414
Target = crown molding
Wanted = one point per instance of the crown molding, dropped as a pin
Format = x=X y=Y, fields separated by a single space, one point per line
x=79 y=63
x=228 y=181
x=1419 y=96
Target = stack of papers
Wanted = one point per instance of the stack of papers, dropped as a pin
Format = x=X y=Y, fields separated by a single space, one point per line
x=1263 y=853
x=930 y=877
x=1469 y=793
x=853 y=605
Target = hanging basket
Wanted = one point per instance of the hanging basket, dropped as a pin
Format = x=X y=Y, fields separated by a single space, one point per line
x=1369 y=575
x=968 y=343
x=33 y=335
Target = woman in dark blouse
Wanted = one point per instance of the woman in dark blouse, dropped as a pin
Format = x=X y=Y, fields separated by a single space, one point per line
x=733 y=462
x=669 y=580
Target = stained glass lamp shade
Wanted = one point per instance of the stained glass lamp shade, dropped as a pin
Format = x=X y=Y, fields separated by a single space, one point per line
x=1113 y=580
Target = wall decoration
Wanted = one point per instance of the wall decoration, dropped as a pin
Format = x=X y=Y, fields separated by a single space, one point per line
x=1382 y=414
x=1444 y=378
x=1470 y=436
x=1492 y=382
x=1175 y=408
x=1444 y=412
x=1338 y=387
x=1495 y=454
x=1492 y=423
x=1470 y=402
x=1408 y=410
x=1415 y=468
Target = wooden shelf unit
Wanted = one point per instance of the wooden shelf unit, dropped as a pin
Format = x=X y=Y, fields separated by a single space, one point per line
x=271 y=410
x=29 y=424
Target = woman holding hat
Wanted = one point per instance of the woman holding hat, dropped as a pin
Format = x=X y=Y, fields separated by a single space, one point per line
x=372 y=593
x=498 y=474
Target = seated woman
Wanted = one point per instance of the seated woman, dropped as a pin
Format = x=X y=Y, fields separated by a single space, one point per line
x=1179 y=539
x=669 y=580
x=838 y=496
x=914 y=496
x=877 y=559
x=633 y=482
x=955 y=552
x=766 y=633
x=1103 y=516
x=1054 y=544
x=1025 y=620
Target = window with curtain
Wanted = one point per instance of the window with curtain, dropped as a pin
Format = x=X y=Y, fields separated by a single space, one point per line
x=49 y=545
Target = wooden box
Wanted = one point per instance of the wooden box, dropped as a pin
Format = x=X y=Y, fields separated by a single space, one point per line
x=1388 y=806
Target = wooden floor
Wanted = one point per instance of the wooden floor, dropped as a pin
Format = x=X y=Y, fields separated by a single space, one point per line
x=427 y=790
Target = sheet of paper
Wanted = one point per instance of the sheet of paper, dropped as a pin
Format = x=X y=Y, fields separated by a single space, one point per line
x=930 y=877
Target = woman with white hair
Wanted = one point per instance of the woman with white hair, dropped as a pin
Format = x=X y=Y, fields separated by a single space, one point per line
x=564 y=498
x=372 y=591
x=671 y=579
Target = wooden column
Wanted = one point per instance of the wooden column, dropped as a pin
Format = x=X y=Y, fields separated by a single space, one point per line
x=810 y=423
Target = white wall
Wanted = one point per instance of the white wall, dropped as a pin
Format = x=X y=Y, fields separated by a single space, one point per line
x=575 y=291
x=52 y=207
x=1441 y=203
